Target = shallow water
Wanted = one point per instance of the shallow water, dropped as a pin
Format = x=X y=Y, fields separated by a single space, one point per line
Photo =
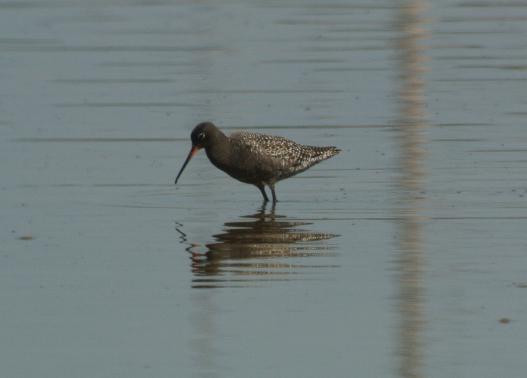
x=403 y=256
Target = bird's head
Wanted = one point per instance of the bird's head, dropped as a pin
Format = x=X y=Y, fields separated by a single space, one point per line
x=202 y=136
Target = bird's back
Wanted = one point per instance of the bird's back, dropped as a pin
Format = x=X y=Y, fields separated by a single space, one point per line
x=283 y=156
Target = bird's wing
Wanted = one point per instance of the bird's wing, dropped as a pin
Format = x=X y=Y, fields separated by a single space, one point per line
x=269 y=147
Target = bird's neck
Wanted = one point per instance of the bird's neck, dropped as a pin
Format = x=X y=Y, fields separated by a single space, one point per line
x=219 y=151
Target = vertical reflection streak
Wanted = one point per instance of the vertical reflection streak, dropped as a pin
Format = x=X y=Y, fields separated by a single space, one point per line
x=205 y=352
x=411 y=138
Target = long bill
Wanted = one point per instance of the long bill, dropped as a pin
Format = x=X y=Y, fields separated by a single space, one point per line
x=192 y=152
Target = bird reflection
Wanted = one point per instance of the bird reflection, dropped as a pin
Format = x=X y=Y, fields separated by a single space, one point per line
x=254 y=248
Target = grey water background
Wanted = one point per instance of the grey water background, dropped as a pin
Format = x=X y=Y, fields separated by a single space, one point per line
x=404 y=256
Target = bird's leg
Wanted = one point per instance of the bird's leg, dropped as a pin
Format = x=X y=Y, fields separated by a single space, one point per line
x=275 y=200
x=262 y=189
x=271 y=213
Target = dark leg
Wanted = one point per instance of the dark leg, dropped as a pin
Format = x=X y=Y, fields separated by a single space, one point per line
x=262 y=189
x=273 y=193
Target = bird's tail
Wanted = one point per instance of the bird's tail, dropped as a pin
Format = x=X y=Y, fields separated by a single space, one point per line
x=324 y=153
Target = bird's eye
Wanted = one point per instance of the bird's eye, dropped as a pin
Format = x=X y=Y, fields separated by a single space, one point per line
x=201 y=137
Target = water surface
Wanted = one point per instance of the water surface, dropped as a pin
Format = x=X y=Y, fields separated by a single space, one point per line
x=403 y=256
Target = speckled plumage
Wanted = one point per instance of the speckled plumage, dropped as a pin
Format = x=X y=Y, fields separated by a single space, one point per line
x=256 y=159
x=288 y=158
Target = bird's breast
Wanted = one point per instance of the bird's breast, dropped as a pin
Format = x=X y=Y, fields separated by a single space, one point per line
x=243 y=164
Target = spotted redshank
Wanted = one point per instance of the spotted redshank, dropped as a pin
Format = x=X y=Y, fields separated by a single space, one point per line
x=255 y=159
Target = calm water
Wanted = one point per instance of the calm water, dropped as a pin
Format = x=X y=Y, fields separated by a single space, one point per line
x=404 y=256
